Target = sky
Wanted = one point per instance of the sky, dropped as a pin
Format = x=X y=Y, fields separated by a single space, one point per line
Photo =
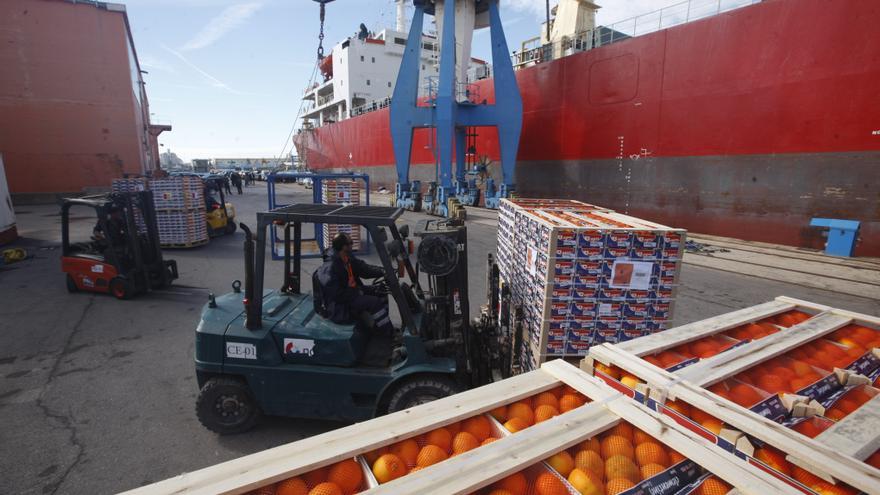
x=229 y=75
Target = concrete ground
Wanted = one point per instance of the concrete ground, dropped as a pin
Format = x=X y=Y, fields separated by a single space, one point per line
x=97 y=395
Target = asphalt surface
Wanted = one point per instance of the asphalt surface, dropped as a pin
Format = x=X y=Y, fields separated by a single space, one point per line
x=97 y=395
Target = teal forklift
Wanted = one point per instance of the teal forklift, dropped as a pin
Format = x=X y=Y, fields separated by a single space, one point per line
x=270 y=352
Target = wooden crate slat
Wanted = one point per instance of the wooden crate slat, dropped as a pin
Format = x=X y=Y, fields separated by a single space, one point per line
x=860 y=318
x=728 y=363
x=481 y=467
x=268 y=466
x=727 y=467
x=806 y=452
x=858 y=434
x=670 y=338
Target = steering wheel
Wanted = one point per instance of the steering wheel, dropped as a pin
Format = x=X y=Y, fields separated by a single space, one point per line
x=379 y=286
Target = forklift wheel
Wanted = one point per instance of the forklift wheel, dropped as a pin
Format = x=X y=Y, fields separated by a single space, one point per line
x=420 y=390
x=71 y=285
x=120 y=288
x=226 y=406
x=230 y=227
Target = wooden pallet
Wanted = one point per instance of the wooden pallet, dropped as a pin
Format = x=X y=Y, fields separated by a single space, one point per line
x=835 y=455
x=473 y=470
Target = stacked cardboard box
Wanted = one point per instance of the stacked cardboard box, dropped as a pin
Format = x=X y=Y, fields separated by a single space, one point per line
x=180 y=208
x=585 y=275
x=341 y=192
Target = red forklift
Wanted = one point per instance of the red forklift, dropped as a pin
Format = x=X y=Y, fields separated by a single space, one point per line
x=123 y=256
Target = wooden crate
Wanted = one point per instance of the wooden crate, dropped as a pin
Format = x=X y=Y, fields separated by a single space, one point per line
x=835 y=454
x=474 y=470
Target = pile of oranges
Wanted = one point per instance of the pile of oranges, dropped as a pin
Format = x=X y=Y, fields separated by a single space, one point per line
x=615 y=461
x=410 y=455
x=541 y=407
x=776 y=460
x=781 y=375
x=851 y=401
x=343 y=478
x=713 y=486
x=532 y=481
x=705 y=347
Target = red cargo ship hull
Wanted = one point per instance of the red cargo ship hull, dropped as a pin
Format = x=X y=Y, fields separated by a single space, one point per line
x=745 y=124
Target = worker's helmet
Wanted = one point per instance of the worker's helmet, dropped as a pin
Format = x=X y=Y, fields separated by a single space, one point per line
x=340 y=241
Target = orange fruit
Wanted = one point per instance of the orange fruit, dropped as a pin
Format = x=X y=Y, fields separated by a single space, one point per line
x=561 y=462
x=629 y=380
x=516 y=484
x=611 y=371
x=545 y=412
x=704 y=348
x=406 y=450
x=805 y=477
x=441 y=438
x=774 y=459
x=713 y=425
x=619 y=466
x=744 y=395
x=616 y=445
x=586 y=482
x=453 y=428
x=326 y=488
x=617 y=485
x=835 y=414
x=675 y=457
x=669 y=359
x=430 y=455
x=488 y=441
x=785 y=320
x=800 y=368
x=347 y=475
x=587 y=460
x=640 y=437
x=316 y=476
x=546 y=398
x=478 y=426
x=807 y=428
x=499 y=413
x=549 y=484
x=264 y=490
x=514 y=425
x=847 y=405
x=292 y=486
x=649 y=470
x=651 y=453
x=653 y=360
x=372 y=456
x=521 y=411
x=713 y=486
x=500 y=492
x=622 y=429
x=772 y=383
x=591 y=444
x=569 y=402
x=463 y=442
x=388 y=467
x=825 y=488
x=681 y=407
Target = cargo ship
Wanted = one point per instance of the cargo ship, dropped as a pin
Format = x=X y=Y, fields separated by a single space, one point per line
x=744 y=123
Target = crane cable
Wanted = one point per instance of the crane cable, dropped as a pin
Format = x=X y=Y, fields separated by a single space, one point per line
x=321 y=34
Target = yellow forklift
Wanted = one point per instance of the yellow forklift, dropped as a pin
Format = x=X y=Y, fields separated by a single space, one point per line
x=219 y=215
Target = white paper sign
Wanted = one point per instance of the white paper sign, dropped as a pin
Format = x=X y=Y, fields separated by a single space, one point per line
x=299 y=346
x=240 y=350
x=626 y=274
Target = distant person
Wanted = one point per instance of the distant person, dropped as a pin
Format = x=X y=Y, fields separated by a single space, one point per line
x=226 y=184
x=236 y=181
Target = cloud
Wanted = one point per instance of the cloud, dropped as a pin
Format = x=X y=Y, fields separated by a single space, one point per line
x=151 y=63
x=230 y=18
x=536 y=8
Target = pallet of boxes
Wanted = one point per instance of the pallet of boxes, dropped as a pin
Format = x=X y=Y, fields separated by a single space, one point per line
x=585 y=275
x=180 y=208
x=344 y=193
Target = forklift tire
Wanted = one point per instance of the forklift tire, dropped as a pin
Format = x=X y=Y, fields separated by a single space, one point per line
x=120 y=288
x=71 y=285
x=420 y=390
x=230 y=228
x=226 y=406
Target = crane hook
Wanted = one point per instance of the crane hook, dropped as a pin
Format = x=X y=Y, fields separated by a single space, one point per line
x=321 y=32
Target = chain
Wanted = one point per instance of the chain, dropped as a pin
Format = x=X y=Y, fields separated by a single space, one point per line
x=321 y=35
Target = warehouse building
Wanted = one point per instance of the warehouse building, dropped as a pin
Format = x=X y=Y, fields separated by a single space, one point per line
x=73 y=106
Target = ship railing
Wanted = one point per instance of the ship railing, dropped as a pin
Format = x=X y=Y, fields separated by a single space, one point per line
x=533 y=52
x=368 y=107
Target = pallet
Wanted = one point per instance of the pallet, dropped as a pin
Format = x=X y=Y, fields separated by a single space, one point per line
x=834 y=455
x=475 y=469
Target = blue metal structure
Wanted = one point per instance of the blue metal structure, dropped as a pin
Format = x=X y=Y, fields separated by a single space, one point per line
x=451 y=117
x=317 y=193
x=842 y=235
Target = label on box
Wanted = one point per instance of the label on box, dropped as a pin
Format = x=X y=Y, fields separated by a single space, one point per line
x=560 y=293
x=560 y=309
x=566 y=252
x=583 y=308
x=577 y=348
x=563 y=281
x=531 y=260
x=660 y=309
x=625 y=335
x=609 y=308
x=591 y=252
x=638 y=295
x=563 y=267
x=626 y=274
x=644 y=254
x=589 y=267
x=865 y=364
x=591 y=238
x=612 y=294
x=582 y=335
x=821 y=388
x=771 y=408
x=636 y=309
x=668 y=482
x=616 y=252
x=555 y=347
x=646 y=240
x=618 y=239
x=582 y=293
x=566 y=237
x=556 y=335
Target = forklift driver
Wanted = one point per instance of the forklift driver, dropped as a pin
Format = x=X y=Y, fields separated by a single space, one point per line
x=345 y=294
x=116 y=226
